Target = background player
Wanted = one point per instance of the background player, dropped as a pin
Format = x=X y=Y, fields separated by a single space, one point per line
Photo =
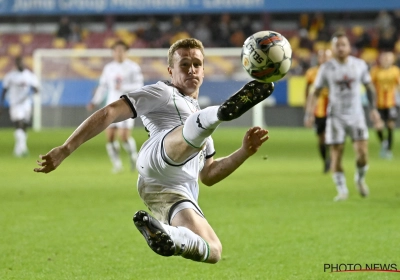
x=179 y=151
x=320 y=109
x=18 y=85
x=386 y=78
x=344 y=75
x=119 y=77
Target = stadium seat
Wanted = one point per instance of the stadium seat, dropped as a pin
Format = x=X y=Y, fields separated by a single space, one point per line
x=26 y=39
x=14 y=49
x=59 y=43
x=320 y=45
x=370 y=55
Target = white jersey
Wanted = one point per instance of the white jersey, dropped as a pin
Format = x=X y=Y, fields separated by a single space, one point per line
x=344 y=81
x=162 y=108
x=19 y=86
x=127 y=74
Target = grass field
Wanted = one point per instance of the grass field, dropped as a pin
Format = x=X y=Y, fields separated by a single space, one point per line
x=275 y=217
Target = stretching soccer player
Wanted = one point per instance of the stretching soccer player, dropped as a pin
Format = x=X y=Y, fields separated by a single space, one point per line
x=320 y=109
x=120 y=76
x=386 y=78
x=343 y=75
x=18 y=85
x=179 y=151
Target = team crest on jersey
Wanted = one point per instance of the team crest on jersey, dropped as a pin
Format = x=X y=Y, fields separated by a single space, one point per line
x=345 y=83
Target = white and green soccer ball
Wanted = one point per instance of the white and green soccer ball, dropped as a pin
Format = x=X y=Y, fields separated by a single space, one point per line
x=266 y=56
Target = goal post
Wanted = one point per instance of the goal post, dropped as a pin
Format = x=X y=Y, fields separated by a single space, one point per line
x=68 y=76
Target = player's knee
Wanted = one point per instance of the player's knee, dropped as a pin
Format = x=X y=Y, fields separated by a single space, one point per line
x=215 y=252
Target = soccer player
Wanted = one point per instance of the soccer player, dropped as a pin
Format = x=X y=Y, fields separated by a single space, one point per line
x=180 y=150
x=343 y=75
x=18 y=85
x=119 y=77
x=320 y=109
x=386 y=78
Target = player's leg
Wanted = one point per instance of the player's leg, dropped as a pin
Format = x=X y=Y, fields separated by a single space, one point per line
x=198 y=225
x=128 y=142
x=361 y=151
x=359 y=135
x=380 y=133
x=20 y=136
x=335 y=138
x=184 y=141
x=320 y=124
x=112 y=147
x=19 y=116
x=338 y=176
x=189 y=235
x=391 y=124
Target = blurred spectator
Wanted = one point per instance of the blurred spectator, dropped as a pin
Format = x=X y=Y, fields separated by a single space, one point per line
x=64 y=28
x=76 y=33
x=396 y=22
x=387 y=40
x=222 y=31
x=304 y=40
x=361 y=38
x=317 y=25
x=383 y=21
x=304 y=20
x=177 y=30
x=153 y=33
x=245 y=24
x=202 y=31
x=237 y=38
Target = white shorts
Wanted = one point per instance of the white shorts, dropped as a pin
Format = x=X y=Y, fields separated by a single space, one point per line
x=21 y=112
x=126 y=124
x=166 y=188
x=337 y=129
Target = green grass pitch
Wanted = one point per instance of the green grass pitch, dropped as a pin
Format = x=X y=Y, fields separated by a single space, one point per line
x=275 y=217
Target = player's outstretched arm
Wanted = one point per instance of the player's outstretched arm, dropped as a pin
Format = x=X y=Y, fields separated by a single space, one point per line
x=217 y=170
x=96 y=123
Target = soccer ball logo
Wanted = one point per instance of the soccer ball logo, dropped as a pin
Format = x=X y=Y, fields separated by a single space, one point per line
x=266 y=56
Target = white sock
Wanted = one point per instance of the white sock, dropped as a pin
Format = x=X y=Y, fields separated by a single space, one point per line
x=188 y=244
x=340 y=181
x=361 y=171
x=20 y=142
x=113 y=154
x=200 y=125
x=130 y=147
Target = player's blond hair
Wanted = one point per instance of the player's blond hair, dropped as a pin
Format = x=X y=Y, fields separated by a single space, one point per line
x=189 y=43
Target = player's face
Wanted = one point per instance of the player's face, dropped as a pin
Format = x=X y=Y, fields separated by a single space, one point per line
x=188 y=71
x=341 y=47
x=119 y=53
x=386 y=59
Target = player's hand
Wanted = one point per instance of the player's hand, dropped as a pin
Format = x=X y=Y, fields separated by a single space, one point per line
x=51 y=160
x=309 y=120
x=376 y=119
x=253 y=139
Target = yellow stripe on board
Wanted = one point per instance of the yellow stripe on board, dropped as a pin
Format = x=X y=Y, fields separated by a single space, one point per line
x=296 y=91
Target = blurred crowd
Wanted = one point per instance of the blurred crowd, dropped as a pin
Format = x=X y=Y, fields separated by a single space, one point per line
x=309 y=33
x=370 y=32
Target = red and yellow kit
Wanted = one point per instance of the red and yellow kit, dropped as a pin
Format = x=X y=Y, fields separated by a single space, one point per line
x=322 y=102
x=386 y=82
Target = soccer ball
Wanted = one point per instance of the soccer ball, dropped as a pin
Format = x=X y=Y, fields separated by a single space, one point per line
x=266 y=56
